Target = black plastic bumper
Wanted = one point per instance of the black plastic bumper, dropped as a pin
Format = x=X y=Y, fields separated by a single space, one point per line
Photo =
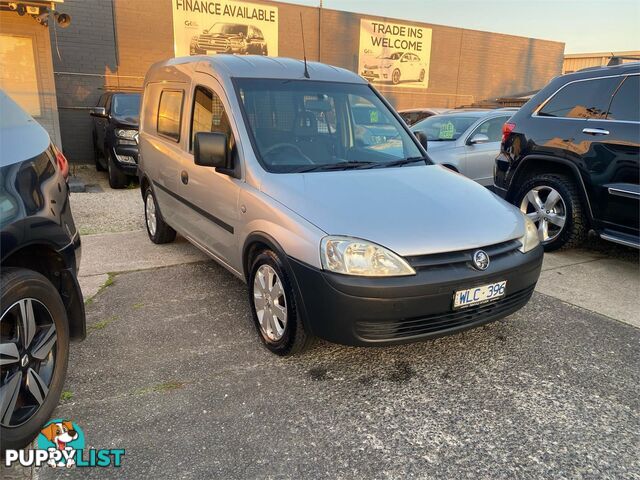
x=128 y=150
x=382 y=311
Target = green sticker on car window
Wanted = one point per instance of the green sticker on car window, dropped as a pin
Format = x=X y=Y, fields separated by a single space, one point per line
x=447 y=130
x=374 y=116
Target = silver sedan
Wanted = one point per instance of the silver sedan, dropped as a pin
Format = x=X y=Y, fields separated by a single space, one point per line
x=466 y=141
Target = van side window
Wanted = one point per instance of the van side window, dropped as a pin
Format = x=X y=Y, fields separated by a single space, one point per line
x=209 y=115
x=582 y=99
x=626 y=103
x=169 y=114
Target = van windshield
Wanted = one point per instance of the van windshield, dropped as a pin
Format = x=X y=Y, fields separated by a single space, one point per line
x=306 y=125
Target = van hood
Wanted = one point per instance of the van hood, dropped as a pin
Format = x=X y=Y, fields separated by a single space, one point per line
x=412 y=210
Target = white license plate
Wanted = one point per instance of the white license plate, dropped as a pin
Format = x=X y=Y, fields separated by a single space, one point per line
x=477 y=295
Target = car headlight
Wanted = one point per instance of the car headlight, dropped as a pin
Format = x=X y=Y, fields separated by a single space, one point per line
x=530 y=239
x=353 y=256
x=129 y=134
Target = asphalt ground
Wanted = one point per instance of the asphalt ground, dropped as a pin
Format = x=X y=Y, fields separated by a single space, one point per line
x=173 y=372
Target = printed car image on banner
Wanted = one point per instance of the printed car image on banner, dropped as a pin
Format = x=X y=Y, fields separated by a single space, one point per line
x=394 y=54
x=203 y=27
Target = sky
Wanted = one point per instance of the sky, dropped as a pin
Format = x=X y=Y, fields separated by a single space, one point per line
x=583 y=25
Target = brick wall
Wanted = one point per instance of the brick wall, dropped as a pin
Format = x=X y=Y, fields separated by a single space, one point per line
x=111 y=43
x=13 y=24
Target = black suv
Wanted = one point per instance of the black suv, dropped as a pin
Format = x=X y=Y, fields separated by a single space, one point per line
x=570 y=157
x=229 y=38
x=116 y=119
x=41 y=302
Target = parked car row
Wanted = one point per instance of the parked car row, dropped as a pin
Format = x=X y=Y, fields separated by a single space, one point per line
x=314 y=192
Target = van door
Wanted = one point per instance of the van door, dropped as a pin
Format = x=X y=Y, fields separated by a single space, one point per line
x=214 y=214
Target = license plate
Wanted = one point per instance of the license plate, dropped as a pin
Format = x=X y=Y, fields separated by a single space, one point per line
x=478 y=295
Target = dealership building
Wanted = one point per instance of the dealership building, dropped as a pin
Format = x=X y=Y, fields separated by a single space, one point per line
x=58 y=70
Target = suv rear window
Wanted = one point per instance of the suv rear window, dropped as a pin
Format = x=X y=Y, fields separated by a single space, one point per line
x=626 y=103
x=582 y=99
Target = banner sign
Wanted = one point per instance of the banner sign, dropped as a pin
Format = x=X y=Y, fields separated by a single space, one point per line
x=394 y=54
x=202 y=27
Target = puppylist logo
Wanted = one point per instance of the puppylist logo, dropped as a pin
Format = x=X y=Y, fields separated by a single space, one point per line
x=61 y=443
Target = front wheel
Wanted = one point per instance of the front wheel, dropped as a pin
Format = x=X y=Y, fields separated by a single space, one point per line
x=274 y=308
x=553 y=203
x=117 y=179
x=34 y=348
x=395 y=77
x=421 y=77
x=158 y=230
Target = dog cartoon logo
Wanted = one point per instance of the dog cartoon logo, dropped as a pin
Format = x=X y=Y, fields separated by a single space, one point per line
x=63 y=436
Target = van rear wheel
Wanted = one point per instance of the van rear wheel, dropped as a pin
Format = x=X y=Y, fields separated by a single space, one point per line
x=158 y=230
x=273 y=307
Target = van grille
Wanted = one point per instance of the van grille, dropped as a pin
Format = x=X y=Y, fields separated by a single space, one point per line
x=376 y=330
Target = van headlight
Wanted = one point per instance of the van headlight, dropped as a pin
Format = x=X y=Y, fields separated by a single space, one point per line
x=353 y=256
x=530 y=239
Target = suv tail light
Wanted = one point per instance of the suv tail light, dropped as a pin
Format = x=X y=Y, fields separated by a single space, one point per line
x=62 y=162
x=507 y=128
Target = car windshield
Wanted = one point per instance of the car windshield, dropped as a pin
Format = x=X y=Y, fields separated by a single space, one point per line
x=126 y=104
x=228 y=29
x=393 y=56
x=303 y=125
x=442 y=128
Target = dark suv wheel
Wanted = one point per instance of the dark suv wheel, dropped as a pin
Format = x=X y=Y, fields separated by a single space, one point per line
x=552 y=201
x=34 y=348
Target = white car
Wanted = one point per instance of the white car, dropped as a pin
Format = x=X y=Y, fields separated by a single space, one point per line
x=396 y=67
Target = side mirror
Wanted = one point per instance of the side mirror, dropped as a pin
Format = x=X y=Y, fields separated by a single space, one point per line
x=478 y=138
x=422 y=138
x=98 y=112
x=211 y=149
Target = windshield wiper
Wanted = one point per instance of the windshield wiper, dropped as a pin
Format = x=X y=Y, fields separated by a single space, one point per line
x=404 y=161
x=337 y=166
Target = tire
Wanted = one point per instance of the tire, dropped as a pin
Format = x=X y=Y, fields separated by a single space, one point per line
x=19 y=284
x=421 y=77
x=395 y=77
x=158 y=230
x=294 y=338
x=97 y=158
x=117 y=179
x=573 y=230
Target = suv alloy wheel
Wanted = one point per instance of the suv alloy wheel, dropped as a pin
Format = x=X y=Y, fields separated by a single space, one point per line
x=554 y=205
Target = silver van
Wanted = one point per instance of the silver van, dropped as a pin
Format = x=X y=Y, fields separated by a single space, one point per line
x=340 y=225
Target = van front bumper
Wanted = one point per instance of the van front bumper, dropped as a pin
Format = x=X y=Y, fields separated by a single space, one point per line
x=383 y=311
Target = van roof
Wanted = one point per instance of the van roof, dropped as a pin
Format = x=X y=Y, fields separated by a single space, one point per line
x=251 y=66
x=21 y=137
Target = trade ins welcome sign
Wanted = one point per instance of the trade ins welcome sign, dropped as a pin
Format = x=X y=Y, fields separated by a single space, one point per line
x=202 y=27
x=394 y=54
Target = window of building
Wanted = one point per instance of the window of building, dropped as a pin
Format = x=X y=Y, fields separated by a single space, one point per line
x=582 y=99
x=626 y=102
x=19 y=75
x=169 y=114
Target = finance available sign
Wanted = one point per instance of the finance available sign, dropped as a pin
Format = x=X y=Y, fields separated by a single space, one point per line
x=394 y=54
x=202 y=27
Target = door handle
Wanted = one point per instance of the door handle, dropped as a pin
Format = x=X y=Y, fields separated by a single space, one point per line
x=184 y=176
x=595 y=131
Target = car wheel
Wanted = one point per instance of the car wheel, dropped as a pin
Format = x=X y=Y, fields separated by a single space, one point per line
x=159 y=231
x=265 y=51
x=421 y=77
x=274 y=308
x=97 y=157
x=117 y=179
x=34 y=347
x=395 y=77
x=553 y=203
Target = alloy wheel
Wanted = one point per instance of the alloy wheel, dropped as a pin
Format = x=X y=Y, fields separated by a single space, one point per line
x=28 y=357
x=545 y=206
x=270 y=302
x=150 y=211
